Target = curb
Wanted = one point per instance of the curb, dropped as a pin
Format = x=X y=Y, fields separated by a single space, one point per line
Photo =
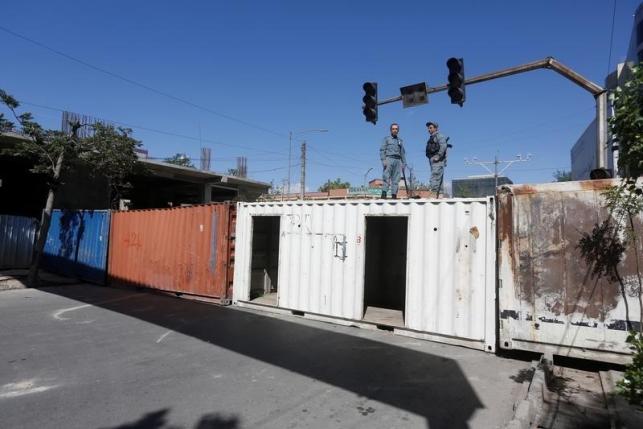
x=528 y=408
x=622 y=414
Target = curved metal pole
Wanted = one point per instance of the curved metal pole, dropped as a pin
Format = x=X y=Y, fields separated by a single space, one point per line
x=598 y=92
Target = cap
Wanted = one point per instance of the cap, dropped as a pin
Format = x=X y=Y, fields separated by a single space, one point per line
x=435 y=124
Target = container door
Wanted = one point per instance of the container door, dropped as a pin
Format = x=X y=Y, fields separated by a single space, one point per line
x=385 y=270
x=264 y=282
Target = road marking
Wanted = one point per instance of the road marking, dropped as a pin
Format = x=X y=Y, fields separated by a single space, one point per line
x=26 y=387
x=162 y=337
x=58 y=314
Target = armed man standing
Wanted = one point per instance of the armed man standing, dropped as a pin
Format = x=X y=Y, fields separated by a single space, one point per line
x=393 y=159
x=436 y=151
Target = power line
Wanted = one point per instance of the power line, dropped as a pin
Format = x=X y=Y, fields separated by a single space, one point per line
x=198 y=158
x=139 y=84
x=168 y=133
x=272 y=169
x=609 y=57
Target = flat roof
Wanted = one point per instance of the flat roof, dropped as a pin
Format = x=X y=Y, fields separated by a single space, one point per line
x=165 y=169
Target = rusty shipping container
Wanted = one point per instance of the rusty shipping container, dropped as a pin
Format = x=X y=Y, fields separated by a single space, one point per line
x=549 y=301
x=186 y=250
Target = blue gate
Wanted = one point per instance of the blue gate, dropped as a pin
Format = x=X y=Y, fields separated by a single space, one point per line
x=77 y=244
x=17 y=235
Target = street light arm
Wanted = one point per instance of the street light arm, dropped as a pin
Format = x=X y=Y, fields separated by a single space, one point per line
x=547 y=63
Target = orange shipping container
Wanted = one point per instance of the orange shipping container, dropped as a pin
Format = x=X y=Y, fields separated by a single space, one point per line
x=186 y=250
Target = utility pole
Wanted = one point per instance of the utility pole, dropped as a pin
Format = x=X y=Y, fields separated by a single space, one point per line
x=496 y=162
x=411 y=178
x=289 y=159
x=303 y=170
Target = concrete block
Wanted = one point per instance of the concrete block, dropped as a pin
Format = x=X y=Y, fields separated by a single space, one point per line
x=516 y=424
x=523 y=412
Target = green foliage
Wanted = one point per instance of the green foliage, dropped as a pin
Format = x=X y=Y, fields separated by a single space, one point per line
x=180 y=159
x=625 y=203
x=562 y=176
x=335 y=184
x=42 y=146
x=5 y=124
x=627 y=123
x=108 y=153
x=632 y=384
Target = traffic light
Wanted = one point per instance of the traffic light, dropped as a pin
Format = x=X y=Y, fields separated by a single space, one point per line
x=456 y=80
x=370 y=102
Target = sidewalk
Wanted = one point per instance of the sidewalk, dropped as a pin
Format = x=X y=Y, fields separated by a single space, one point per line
x=560 y=397
x=17 y=279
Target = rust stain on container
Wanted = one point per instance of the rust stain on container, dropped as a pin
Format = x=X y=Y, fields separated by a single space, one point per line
x=596 y=185
x=186 y=250
x=551 y=272
x=547 y=292
x=505 y=216
x=523 y=190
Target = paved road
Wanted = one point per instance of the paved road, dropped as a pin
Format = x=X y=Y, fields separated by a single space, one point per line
x=92 y=357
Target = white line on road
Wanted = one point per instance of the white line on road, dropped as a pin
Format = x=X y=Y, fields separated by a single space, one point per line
x=58 y=314
x=162 y=337
x=26 y=387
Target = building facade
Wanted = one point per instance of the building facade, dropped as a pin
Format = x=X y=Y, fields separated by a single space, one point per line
x=583 y=153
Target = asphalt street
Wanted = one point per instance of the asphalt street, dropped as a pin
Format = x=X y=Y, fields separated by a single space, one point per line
x=86 y=356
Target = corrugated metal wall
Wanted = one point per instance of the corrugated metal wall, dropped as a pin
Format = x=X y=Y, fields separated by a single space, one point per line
x=450 y=278
x=77 y=244
x=17 y=235
x=187 y=250
x=548 y=299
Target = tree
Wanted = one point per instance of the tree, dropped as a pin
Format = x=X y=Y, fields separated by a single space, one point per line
x=108 y=153
x=626 y=125
x=180 y=159
x=562 y=176
x=604 y=248
x=335 y=184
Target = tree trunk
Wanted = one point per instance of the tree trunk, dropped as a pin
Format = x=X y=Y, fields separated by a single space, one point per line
x=638 y=272
x=33 y=280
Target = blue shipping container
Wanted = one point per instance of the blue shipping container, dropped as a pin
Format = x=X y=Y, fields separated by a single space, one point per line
x=77 y=244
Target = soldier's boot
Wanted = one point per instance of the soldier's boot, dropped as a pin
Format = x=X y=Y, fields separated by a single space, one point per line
x=383 y=195
x=394 y=196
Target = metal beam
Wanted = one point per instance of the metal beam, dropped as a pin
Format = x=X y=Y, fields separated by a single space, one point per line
x=597 y=91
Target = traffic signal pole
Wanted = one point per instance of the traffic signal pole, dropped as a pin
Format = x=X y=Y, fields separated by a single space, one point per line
x=599 y=93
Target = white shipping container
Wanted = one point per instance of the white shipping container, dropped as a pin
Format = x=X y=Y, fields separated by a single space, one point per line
x=428 y=263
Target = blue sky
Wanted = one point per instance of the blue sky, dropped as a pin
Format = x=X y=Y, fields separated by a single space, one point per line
x=274 y=67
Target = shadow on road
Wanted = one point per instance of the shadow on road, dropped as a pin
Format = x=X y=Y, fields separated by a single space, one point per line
x=421 y=383
x=158 y=420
